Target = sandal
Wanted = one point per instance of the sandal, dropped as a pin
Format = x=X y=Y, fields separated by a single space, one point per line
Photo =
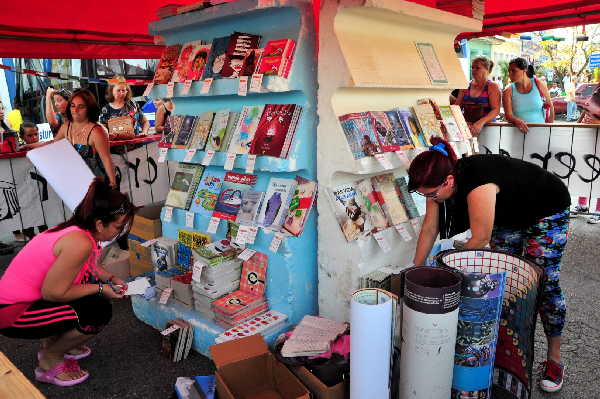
x=50 y=376
x=87 y=351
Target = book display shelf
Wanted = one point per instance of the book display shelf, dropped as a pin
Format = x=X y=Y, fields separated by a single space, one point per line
x=368 y=61
x=292 y=270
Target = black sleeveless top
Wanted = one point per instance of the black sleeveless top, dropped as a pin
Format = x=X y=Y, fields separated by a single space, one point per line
x=527 y=194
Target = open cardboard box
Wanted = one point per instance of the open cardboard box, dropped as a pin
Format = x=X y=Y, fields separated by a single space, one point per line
x=318 y=388
x=146 y=222
x=247 y=370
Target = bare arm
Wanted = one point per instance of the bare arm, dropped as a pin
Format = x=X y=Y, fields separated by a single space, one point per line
x=145 y=124
x=461 y=96
x=159 y=122
x=99 y=140
x=429 y=232
x=508 y=111
x=548 y=99
x=59 y=135
x=50 y=114
x=482 y=204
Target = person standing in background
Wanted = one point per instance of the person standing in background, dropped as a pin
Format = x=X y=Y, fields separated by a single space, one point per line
x=570 y=98
x=120 y=103
x=56 y=115
x=163 y=111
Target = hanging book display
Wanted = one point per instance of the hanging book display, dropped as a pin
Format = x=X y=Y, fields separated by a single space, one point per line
x=185 y=181
x=167 y=64
x=360 y=134
x=275 y=131
x=276 y=202
x=351 y=215
x=245 y=129
x=232 y=192
x=300 y=206
x=201 y=130
x=185 y=132
x=205 y=198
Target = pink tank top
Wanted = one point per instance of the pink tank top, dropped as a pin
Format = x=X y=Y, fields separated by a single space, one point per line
x=23 y=280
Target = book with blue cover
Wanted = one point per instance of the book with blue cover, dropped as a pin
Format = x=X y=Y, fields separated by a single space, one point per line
x=276 y=202
x=207 y=385
x=208 y=190
x=216 y=58
x=233 y=189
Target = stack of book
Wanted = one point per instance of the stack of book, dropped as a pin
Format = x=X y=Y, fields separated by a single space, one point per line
x=262 y=324
x=243 y=304
x=312 y=336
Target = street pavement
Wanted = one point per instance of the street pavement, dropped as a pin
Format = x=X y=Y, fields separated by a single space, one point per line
x=126 y=362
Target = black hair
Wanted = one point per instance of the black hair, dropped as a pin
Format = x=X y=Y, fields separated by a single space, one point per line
x=522 y=64
x=93 y=109
x=24 y=126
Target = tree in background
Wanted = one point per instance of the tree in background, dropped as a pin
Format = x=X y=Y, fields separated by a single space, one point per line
x=503 y=65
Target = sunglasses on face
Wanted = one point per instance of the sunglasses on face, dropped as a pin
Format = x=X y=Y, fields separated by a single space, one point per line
x=433 y=194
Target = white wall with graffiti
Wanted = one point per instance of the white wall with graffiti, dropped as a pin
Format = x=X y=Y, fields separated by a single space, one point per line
x=27 y=200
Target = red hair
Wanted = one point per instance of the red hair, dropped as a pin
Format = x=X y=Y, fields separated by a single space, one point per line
x=430 y=168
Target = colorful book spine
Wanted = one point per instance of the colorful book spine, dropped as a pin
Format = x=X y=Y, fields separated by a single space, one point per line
x=388 y=198
x=245 y=129
x=217 y=131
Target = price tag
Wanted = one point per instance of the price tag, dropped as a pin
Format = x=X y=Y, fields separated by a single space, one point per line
x=256 y=82
x=149 y=88
x=242 y=235
x=162 y=154
x=385 y=163
x=229 y=161
x=403 y=231
x=170 y=87
x=189 y=154
x=475 y=144
x=164 y=297
x=383 y=244
x=197 y=270
x=276 y=242
x=213 y=225
x=206 y=84
x=246 y=254
x=403 y=157
x=186 y=87
x=171 y=329
x=149 y=242
x=415 y=225
x=208 y=156
x=252 y=232
x=168 y=213
x=189 y=219
x=243 y=87
x=250 y=161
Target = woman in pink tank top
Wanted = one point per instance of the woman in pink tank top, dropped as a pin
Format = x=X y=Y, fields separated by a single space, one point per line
x=55 y=291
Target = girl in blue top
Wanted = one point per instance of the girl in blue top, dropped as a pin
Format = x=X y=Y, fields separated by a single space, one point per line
x=523 y=102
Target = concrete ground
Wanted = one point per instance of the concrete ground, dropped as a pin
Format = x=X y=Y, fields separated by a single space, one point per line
x=127 y=363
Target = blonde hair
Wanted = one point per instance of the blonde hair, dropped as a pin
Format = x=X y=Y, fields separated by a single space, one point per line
x=485 y=61
x=118 y=80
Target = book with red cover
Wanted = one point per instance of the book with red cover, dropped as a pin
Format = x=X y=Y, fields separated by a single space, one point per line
x=167 y=64
x=276 y=130
x=239 y=55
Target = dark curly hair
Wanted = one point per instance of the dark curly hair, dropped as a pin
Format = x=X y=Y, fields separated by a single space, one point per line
x=93 y=109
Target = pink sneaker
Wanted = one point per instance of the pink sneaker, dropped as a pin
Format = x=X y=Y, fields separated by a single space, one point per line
x=50 y=376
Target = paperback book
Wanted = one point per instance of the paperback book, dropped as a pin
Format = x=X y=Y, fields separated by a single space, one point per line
x=411 y=126
x=232 y=122
x=167 y=64
x=453 y=132
x=251 y=202
x=390 y=132
x=349 y=212
x=166 y=138
x=207 y=193
x=245 y=129
x=388 y=198
x=275 y=204
x=185 y=132
x=463 y=126
x=360 y=134
x=240 y=60
x=232 y=191
x=193 y=55
x=300 y=206
x=276 y=129
x=277 y=57
x=185 y=181
x=201 y=131
x=406 y=198
x=217 y=130
x=428 y=123
x=369 y=199
x=216 y=58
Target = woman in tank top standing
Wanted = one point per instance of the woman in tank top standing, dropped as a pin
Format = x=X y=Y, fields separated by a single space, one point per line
x=513 y=205
x=525 y=97
x=480 y=102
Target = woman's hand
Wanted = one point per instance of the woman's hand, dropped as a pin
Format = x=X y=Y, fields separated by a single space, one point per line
x=120 y=282
x=476 y=128
x=108 y=292
x=521 y=125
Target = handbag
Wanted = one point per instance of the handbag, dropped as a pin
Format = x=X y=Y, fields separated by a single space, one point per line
x=8 y=141
x=121 y=127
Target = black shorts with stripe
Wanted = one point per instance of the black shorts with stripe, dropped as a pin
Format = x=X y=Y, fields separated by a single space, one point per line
x=43 y=319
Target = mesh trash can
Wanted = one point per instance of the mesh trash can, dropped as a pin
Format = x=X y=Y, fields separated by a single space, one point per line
x=513 y=367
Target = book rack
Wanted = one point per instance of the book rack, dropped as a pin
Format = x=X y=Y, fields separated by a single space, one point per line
x=292 y=271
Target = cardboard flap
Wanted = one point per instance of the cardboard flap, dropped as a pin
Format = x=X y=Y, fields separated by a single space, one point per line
x=239 y=349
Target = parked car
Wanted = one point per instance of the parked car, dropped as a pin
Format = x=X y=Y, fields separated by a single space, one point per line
x=582 y=95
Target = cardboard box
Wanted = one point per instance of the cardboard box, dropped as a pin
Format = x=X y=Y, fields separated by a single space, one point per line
x=146 y=223
x=13 y=384
x=116 y=262
x=139 y=252
x=182 y=291
x=318 y=388
x=137 y=267
x=247 y=370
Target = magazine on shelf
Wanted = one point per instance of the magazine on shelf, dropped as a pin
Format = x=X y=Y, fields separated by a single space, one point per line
x=216 y=58
x=240 y=59
x=276 y=202
x=251 y=202
x=360 y=134
x=370 y=201
x=185 y=132
x=232 y=122
x=389 y=130
x=411 y=126
x=388 y=197
x=300 y=206
x=217 y=130
x=208 y=191
x=232 y=192
x=167 y=64
x=428 y=123
x=276 y=130
x=191 y=55
x=185 y=181
x=245 y=129
x=168 y=132
x=453 y=132
x=350 y=213
x=277 y=57
x=201 y=130
x=407 y=198
x=463 y=126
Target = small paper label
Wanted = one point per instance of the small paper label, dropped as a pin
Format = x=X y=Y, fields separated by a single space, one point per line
x=229 y=161
x=171 y=329
x=149 y=88
x=253 y=231
x=213 y=225
x=385 y=163
x=189 y=154
x=164 y=297
x=162 y=154
x=250 y=161
x=415 y=224
x=168 y=214
x=403 y=231
x=475 y=144
x=403 y=157
x=208 y=156
x=383 y=244
x=149 y=242
x=276 y=242
x=197 y=270
x=170 y=87
x=189 y=219
x=186 y=87
x=246 y=254
x=206 y=84
x=243 y=87
x=256 y=82
x=242 y=235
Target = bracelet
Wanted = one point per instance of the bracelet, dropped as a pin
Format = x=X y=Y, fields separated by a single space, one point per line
x=100 y=288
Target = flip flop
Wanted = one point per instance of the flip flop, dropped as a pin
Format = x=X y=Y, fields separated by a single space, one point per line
x=50 y=376
x=84 y=354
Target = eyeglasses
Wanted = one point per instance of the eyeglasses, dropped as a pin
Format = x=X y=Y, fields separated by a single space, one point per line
x=78 y=106
x=434 y=194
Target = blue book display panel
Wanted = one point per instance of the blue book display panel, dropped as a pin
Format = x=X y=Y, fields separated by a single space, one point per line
x=291 y=280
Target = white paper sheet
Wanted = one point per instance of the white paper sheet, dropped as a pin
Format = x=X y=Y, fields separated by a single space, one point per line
x=137 y=287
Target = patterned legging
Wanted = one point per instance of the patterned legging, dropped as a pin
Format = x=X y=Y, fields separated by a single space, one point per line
x=544 y=244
